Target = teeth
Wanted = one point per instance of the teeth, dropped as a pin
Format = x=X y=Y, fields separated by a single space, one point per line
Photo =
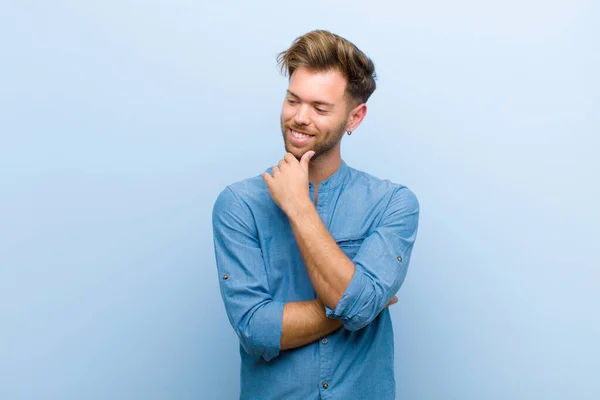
x=299 y=135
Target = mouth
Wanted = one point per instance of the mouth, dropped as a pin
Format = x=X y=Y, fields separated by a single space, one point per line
x=299 y=135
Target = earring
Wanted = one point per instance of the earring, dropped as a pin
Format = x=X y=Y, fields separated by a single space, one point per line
x=349 y=133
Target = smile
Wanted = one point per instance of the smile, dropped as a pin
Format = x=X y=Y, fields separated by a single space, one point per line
x=299 y=135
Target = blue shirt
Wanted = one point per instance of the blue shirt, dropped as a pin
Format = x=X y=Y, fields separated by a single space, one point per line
x=260 y=268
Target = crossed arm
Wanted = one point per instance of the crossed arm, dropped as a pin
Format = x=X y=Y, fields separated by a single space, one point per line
x=304 y=322
x=264 y=325
x=330 y=272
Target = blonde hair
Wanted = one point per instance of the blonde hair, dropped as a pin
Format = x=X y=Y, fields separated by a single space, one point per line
x=321 y=51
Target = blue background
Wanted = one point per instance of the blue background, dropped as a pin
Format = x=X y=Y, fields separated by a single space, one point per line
x=121 y=121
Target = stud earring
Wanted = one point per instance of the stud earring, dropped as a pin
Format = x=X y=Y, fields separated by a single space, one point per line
x=349 y=133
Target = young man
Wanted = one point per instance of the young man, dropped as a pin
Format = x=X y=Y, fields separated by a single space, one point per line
x=312 y=252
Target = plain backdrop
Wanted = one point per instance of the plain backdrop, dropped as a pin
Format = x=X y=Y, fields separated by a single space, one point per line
x=121 y=121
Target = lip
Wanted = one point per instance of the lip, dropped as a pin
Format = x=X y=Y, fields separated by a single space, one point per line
x=297 y=141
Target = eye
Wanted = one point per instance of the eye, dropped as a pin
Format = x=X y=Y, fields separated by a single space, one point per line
x=320 y=110
x=291 y=101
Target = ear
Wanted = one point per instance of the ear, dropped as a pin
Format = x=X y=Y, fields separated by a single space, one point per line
x=356 y=116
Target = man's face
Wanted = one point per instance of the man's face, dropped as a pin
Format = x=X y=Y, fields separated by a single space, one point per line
x=314 y=113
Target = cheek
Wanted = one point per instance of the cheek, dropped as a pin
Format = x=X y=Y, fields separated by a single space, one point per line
x=326 y=124
x=287 y=113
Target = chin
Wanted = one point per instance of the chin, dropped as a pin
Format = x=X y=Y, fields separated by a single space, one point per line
x=295 y=152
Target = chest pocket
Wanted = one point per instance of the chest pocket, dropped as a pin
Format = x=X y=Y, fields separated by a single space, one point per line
x=350 y=247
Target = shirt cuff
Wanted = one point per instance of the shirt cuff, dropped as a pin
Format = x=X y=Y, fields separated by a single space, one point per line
x=268 y=335
x=351 y=308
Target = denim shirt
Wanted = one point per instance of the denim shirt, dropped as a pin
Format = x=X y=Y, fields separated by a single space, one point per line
x=260 y=268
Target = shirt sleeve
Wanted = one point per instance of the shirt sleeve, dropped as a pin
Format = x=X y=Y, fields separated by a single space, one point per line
x=254 y=315
x=381 y=263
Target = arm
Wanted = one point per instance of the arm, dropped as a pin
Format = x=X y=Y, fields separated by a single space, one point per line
x=304 y=322
x=330 y=275
x=379 y=268
x=329 y=269
x=264 y=326
x=354 y=291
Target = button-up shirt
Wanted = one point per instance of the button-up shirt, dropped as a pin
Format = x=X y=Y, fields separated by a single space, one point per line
x=260 y=268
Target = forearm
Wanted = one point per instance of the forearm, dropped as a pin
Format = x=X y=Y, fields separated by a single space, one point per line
x=304 y=322
x=329 y=269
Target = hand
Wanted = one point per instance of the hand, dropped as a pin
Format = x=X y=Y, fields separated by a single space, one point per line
x=288 y=185
x=393 y=301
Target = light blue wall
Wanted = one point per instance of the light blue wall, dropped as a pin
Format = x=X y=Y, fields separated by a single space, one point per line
x=120 y=121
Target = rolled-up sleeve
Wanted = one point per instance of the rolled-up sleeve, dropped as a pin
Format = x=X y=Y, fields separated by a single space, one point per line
x=381 y=263
x=254 y=315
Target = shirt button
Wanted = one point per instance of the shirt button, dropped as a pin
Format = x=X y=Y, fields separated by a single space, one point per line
x=325 y=385
x=324 y=341
x=399 y=258
x=225 y=276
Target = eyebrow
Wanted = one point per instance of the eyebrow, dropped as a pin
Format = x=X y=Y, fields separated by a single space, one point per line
x=317 y=102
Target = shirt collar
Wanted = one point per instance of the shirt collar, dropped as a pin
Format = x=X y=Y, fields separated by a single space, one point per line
x=336 y=179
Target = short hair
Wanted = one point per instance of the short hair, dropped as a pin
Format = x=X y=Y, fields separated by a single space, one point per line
x=322 y=51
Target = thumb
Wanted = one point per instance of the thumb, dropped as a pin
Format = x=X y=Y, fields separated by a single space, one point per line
x=306 y=159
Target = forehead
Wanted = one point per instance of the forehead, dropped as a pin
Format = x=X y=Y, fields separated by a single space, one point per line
x=328 y=86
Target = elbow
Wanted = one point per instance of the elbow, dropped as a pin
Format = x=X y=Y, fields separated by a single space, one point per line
x=260 y=332
x=363 y=316
x=255 y=345
x=332 y=302
x=361 y=304
x=356 y=324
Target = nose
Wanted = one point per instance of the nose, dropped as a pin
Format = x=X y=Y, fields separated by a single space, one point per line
x=302 y=115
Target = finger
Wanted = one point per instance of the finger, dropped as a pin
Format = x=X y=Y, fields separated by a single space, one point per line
x=267 y=178
x=281 y=163
x=275 y=170
x=306 y=159
x=393 y=301
x=289 y=157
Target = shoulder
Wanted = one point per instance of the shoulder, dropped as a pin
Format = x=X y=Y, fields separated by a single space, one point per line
x=247 y=194
x=396 y=193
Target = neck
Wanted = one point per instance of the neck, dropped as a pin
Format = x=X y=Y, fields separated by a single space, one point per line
x=323 y=166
